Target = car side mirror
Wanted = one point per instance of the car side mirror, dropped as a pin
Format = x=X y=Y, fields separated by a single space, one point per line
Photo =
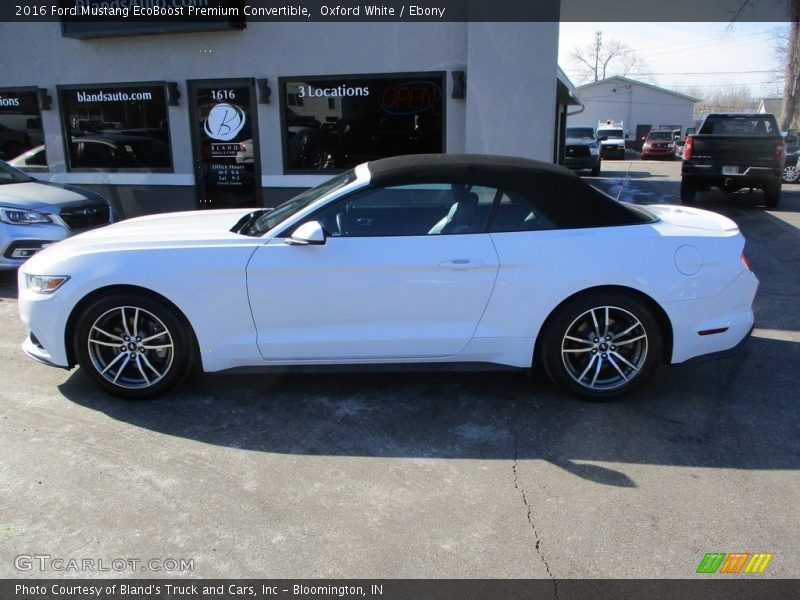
x=308 y=234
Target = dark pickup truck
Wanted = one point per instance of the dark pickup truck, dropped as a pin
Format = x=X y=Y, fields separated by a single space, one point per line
x=734 y=151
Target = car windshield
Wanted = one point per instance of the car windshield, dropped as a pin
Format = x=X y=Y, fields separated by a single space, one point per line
x=659 y=136
x=9 y=174
x=740 y=125
x=272 y=219
x=610 y=133
x=580 y=132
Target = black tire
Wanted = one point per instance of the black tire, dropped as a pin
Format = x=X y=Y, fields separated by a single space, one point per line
x=322 y=158
x=772 y=196
x=133 y=346
x=596 y=170
x=605 y=364
x=688 y=191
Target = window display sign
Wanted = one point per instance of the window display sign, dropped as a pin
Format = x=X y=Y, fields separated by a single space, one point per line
x=117 y=127
x=20 y=122
x=339 y=122
x=225 y=141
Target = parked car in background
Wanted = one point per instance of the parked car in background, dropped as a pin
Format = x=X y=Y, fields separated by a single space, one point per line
x=733 y=151
x=611 y=136
x=582 y=152
x=35 y=214
x=434 y=259
x=791 y=174
x=117 y=151
x=349 y=142
x=659 y=144
x=106 y=151
x=31 y=161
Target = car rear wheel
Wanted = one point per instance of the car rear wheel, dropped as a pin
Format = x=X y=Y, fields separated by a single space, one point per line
x=772 y=196
x=602 y=345
x=688 y=191
x=790 y=174
x=133 y=346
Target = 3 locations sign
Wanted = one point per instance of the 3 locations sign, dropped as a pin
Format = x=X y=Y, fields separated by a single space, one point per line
x=337 y=123
x=20 y=122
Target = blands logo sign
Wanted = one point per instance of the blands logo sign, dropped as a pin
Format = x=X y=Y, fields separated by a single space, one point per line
x=734 y=562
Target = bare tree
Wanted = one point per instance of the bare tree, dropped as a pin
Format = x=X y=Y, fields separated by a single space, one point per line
x=732 y=97
x=791 y=66
x=791 y=88
x=605 y=58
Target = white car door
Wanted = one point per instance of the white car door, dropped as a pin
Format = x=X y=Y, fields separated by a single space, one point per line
x=403 y=274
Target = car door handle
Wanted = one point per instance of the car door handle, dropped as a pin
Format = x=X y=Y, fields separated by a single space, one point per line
x=462 y=264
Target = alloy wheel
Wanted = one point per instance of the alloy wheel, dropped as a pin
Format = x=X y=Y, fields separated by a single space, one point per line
x=130 y=347
x=604 y=348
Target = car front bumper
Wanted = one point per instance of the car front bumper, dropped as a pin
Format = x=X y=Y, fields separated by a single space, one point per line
x=19 y=242
x=579 y=163
x=612 y=152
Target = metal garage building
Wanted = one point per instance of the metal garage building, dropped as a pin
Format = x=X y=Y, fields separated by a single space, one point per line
x=640 y=106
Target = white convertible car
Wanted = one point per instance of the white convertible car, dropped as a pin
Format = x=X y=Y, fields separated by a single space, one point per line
x=415 y=259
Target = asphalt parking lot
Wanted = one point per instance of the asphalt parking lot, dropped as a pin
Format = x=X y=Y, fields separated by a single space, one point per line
x=490 y=475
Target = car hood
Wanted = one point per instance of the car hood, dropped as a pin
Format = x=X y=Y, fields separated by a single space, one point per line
x=34 y=194
x=693 y=218
x=183 y=228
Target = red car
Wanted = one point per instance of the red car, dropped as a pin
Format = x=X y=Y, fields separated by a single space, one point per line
x=659 y=144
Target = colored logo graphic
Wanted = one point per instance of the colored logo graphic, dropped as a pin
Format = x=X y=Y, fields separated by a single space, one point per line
x=734 y=562
x=224 y=122
x=410 y=98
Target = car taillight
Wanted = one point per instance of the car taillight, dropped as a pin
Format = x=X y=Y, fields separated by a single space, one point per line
x=779 y=150
x=746 y=263
x=687 y=148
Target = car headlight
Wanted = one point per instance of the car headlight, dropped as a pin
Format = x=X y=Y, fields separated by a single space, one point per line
x=23 y=217
x=44 y=284
x=594 y=151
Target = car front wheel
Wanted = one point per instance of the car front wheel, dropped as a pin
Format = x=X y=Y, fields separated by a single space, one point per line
x=790 y=174
x=132 y=345
x=602 y=345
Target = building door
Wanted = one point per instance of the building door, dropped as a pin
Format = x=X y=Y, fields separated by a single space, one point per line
x=224 y=127
x=641 y=133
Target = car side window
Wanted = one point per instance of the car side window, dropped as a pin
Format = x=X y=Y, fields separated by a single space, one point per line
x=515 y=212
x=98 y=155
x=410 y=210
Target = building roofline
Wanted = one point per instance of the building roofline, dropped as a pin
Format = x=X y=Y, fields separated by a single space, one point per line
x=641 y=83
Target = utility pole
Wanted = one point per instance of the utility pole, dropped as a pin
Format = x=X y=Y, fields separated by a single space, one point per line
x=598 y=43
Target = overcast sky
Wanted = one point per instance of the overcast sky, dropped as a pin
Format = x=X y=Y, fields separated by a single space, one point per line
x=709 y=55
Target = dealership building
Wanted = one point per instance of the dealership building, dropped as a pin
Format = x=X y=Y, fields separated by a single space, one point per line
x=249 y=113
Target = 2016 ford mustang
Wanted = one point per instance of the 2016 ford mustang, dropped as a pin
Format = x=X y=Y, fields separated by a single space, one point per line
x=415 y=259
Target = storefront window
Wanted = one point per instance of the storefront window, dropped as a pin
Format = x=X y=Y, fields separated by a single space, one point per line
x=339 y=122
x=117 y=127
x=20 y=126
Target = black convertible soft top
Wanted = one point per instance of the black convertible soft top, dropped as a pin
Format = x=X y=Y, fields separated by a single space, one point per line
x=562 y=196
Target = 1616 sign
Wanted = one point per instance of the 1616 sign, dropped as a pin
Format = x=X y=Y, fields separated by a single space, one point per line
x=223 y=94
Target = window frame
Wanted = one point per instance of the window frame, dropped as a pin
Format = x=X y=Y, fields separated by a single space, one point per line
x=283 y=106
x=66 y=140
